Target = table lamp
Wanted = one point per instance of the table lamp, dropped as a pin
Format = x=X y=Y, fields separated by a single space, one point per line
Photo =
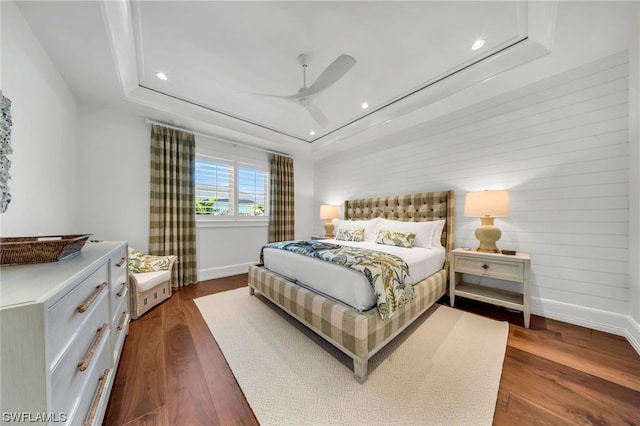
x=328 y=212
x=487 y=205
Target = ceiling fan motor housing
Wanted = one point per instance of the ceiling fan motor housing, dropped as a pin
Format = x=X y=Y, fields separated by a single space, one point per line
x=303 y=59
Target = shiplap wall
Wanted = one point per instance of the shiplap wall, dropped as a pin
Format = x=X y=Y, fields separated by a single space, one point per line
x=560 y=146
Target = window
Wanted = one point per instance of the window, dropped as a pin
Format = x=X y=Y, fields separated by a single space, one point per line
x=252 y=188
x=232 y=190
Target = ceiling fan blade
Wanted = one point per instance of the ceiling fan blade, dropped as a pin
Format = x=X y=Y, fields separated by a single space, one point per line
x=317 y=115
x=334 y=72
x=329 y=76
x=289 y=97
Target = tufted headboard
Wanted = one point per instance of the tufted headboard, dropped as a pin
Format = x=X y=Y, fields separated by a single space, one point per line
x=418 y=207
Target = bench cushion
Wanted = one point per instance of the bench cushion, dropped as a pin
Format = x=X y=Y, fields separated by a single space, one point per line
x=147 y=280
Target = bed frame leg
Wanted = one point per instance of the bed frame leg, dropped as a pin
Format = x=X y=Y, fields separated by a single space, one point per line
x=252 y=291
x=360 y=370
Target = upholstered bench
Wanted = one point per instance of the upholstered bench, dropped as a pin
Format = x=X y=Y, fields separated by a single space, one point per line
x=150 y=280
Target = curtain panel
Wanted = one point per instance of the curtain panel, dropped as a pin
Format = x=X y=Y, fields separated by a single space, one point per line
x=281 y=207
x=172 y=227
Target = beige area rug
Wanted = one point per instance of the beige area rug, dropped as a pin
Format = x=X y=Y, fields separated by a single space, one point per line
x=444 y=369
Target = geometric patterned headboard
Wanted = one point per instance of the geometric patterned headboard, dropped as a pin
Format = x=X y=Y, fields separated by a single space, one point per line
x=418 y=207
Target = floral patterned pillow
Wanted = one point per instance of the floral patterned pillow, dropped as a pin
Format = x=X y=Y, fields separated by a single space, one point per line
x=395 y=238
x=140 y=262
x=356 y=235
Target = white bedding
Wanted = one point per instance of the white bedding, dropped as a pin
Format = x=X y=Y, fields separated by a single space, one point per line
x=344 y=284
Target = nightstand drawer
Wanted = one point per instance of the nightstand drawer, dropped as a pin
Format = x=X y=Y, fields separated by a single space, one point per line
x=512 y=271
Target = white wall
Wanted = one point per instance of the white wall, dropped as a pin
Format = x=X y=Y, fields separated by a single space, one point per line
x=585 y=32
x=560 y=146
x=113 y=165
x=113 y=169
x=44 y=159
x=228 y=248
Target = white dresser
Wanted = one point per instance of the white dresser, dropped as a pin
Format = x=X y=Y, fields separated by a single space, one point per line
x=62 y=328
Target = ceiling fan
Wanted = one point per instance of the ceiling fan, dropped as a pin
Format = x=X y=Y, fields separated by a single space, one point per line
x=328 y=77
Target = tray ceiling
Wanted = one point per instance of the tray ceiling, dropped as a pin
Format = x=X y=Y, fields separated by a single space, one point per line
x=224 y=56
x=221 y=58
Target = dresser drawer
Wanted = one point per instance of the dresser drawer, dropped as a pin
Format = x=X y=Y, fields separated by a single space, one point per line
x=68 y=380
x=512 y=271
x=119 y=293
x=68 y=314
x=93 y=413
x=119 y=332
x=119 y=305
x=118 y=262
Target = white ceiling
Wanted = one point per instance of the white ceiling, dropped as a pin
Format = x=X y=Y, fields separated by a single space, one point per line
x=221 y=56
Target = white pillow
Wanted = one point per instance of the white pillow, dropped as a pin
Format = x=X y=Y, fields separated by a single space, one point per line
x=437 y=232
x=423 y=230
x=370 y=227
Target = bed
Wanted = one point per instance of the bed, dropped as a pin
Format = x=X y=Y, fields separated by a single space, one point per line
x=357 y=332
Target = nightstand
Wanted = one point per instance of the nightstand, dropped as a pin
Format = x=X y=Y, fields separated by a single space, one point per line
x=508 y=268
x=320 y=237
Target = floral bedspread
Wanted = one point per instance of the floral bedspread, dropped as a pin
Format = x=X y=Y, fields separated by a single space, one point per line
x=387 y=274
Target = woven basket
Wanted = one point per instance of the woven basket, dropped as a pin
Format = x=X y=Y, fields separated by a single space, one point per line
x=27 y=250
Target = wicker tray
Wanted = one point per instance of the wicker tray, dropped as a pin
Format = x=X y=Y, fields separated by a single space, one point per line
x=27 y=250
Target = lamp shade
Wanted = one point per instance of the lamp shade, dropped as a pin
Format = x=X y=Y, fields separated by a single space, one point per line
x=493 y=203
x=328 y=212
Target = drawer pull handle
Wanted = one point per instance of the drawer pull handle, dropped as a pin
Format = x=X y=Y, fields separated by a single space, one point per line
x=84 y=363
x=96 y=401
x=121 y=292
x=485 y=266
x=92 y=297
x=122 y=262
x=123 y=320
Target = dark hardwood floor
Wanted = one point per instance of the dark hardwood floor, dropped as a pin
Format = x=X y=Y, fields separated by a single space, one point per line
x=173 y=373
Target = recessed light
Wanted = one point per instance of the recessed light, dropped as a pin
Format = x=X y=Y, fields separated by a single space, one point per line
x=161 y=75
x=312 y=133
x=477 y=44
x=364 y=105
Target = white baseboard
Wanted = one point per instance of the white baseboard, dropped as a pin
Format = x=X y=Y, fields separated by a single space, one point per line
x=633 y=334
x=609 y=322
x=223 y=271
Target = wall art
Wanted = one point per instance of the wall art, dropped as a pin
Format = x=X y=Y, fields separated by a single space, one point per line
x=5 y=150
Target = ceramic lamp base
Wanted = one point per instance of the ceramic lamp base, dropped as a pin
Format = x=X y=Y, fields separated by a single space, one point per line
x=329 y=227
x=487 y=234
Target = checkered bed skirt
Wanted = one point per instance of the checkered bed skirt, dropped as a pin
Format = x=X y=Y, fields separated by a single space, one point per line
x=358 y=334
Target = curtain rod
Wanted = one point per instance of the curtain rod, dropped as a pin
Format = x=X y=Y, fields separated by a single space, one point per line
x=217 y=138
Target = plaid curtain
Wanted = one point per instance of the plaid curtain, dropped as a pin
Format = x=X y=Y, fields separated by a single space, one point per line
x=281 y=213
x=172 y=227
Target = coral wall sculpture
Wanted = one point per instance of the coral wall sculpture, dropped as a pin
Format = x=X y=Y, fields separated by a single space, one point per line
x=5 y=150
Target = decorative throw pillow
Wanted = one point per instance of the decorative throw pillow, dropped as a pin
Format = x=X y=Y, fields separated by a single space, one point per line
x=140 y=262
x=370 y=227
x=356 y=235
x=394 y=238
x=423 y=231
